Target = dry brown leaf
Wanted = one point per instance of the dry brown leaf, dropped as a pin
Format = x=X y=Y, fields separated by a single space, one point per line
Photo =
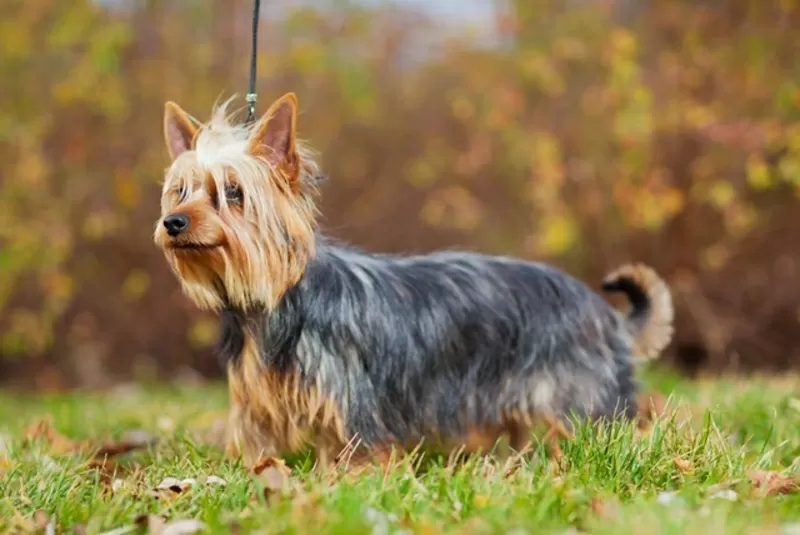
x=182 y=527
x=772 y=483
x=114 y=449
x=157 y=525
x=275 y=477
x=651 y=406
x=154 y=524
x=170 y=488
x=604 y=509
x=273 y=473
x=683 y=465
x=43 y=430
x=40 y=520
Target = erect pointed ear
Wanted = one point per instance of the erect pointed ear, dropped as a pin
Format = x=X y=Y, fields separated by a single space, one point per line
x=179 y=130
x=275 y=136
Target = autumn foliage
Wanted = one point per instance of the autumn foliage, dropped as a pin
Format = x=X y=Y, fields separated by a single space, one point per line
x=581 y=133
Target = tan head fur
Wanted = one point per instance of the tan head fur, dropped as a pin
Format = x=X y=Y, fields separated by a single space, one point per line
x=238 y=206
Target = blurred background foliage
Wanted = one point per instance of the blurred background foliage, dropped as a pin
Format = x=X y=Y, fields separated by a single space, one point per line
x=583 y=132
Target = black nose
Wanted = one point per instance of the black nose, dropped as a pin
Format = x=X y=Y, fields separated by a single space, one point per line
x=175 y=224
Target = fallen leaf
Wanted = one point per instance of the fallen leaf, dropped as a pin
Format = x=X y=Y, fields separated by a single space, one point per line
x=684 y=466
x=119 y=531
x=146 y=521
x=40 y=520
x=651 y=406
x=273 y=473
x=668 y=498
x=170 y=483
x=176 y=485
x=43 y=430
x=114 y=449
x=604 y=509
x=182 y=527
x=274 y=476
x=728 y=495
x=58 y=444
x=772 y=483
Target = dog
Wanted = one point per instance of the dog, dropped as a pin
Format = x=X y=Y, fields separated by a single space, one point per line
x=325 y=344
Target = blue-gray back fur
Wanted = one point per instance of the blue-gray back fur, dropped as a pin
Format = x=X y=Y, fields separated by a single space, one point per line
x=408 y=346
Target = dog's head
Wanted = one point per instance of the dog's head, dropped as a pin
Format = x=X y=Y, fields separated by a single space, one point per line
x=237 y=218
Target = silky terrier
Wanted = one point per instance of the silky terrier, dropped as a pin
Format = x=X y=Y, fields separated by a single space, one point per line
x=326 y=346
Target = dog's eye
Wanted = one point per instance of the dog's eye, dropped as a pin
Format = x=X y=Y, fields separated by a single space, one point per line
x=233 y=194
x=181 y=192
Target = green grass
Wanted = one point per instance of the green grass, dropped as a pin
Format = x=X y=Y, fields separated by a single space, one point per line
x=609 y=481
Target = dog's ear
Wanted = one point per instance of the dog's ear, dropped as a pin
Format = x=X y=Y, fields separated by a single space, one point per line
x=179 y=130
x=274 y=138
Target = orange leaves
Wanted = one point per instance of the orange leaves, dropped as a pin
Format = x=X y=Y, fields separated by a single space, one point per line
x=770 y=483
x=274 y=477
x=43 y=433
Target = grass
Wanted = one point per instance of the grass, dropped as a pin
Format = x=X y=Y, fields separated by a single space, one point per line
x=691 y=474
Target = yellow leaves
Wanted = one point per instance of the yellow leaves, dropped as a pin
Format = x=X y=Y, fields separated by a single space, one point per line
x=16 y=43
x=203 y=332
x=454 y=207
x=462 y=108
x=422 y=173
x=559 y=233
x=649 y=206
x=758 y=175
x=26 y=332
x=570 y=48
x=548 y=169
x=623 y=42
x=32 y=170
x=721 y=194
x=544 y=73
x=98 y=225
x=135 y=284
x=714 y=257
x=60 y=286
x=128 y=191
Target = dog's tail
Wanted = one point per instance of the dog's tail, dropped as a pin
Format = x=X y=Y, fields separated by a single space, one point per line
x=652 y=313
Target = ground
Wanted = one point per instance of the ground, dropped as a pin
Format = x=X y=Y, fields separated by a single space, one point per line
x=724 y=458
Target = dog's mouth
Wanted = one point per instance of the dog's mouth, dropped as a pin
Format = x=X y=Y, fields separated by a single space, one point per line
x=193 y=246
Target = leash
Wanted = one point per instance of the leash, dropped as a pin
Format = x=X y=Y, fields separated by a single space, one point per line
x=251 y=95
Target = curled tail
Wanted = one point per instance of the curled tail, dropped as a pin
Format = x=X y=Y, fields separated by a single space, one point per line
x=651 y=315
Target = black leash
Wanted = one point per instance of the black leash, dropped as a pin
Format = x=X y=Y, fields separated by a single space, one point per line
x=251 y=95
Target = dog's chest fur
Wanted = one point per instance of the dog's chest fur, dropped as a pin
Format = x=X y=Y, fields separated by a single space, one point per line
x=272 y=410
